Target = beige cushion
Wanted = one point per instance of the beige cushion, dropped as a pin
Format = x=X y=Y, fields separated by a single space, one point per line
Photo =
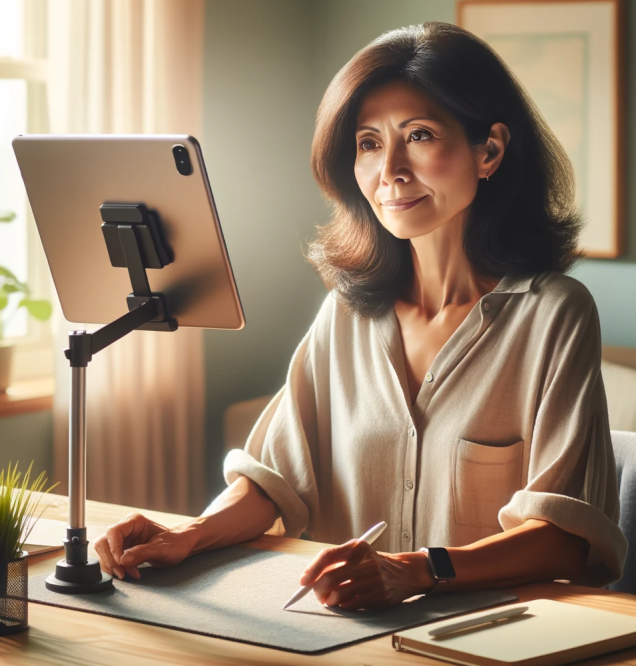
x=620 y=355
x=620 y=388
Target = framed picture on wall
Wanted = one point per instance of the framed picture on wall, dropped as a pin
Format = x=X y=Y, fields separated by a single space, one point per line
x=570 y=57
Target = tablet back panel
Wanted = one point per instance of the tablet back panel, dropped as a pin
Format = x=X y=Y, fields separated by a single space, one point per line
x=68 y=178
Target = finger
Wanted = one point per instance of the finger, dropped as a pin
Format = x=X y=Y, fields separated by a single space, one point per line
x=345 y=593
x=135 y=556
x=368 y=601
x=128 y=531
x=367 y=573
x=352 y=552
x=325 y=558
x=334 y=578
x=106 y=559
x=152 y=552
x=133 y=572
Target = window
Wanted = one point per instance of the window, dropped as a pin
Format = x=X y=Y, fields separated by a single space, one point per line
x=23 y=108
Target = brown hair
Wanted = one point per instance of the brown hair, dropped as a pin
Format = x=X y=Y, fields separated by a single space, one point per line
x=522 y=221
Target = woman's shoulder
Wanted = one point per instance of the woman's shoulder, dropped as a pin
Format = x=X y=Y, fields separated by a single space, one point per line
x=335 y=323
x=553 y=289
x=560 y=305
x=334 y=313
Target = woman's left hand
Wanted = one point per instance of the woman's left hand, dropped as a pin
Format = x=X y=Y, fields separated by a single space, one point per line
x=354 y=576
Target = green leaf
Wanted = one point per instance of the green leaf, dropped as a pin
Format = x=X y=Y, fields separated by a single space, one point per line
x=4 y=299
x=7 y=216
x=39 y=309
x=5 y=272
x=11 y=282
x=19 y=502
x=14 y=286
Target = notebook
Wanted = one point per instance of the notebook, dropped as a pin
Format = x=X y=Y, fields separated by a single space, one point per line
x=547 y=634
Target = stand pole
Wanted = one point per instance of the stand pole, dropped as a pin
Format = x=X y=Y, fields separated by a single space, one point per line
x=78 y=573
x=77 y=450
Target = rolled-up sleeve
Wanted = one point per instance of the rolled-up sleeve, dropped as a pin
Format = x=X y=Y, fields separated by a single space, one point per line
x=281 y=450
x=572 y=479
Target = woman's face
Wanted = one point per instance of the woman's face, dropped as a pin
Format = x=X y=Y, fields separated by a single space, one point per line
x=413 y=162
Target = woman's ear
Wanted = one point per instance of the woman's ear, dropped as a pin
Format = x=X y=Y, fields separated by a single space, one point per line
x=491 y=153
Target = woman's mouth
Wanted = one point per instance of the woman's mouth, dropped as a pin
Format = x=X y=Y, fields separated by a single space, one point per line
x=397 y=205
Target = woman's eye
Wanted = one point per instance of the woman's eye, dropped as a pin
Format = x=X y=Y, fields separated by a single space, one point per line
x=366 y=144
x=420 y=135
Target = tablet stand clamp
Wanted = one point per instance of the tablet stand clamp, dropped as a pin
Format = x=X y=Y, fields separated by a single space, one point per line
x=134 y=241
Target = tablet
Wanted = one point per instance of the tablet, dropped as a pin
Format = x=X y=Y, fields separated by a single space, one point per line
x=68 y=178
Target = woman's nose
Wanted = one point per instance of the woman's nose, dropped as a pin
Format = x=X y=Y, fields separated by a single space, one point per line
x=395 y=166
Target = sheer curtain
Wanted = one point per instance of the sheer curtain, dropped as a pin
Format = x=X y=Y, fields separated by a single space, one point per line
x=133 y=66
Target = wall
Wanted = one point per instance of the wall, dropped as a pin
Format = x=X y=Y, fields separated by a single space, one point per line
x=259 y=112
x=27 y=437
x=345 y=26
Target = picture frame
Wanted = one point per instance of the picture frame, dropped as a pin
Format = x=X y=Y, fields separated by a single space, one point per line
x=570 y=57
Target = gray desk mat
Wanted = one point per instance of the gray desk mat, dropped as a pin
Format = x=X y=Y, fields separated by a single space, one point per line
x=237 y=593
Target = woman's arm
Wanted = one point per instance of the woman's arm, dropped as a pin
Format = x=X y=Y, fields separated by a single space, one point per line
x=534 y=551
x=240 y=513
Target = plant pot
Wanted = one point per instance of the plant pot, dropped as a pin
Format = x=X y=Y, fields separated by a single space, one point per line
x=6 y=361
x=14 y=586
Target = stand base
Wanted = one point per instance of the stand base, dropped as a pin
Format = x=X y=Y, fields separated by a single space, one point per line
x=79 y=578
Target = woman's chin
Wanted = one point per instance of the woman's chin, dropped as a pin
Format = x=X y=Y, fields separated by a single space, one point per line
x=407 y=231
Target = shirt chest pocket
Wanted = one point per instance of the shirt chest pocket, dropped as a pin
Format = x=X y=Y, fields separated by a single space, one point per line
x=484 y=479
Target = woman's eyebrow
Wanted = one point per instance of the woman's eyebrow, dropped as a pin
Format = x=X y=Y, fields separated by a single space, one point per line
x=403 y=124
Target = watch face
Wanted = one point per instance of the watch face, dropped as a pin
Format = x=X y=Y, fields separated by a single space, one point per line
x=441 y=563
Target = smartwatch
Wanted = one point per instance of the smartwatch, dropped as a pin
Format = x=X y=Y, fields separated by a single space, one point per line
x=440 y=564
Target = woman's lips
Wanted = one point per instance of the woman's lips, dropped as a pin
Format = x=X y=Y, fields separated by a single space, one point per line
x=396 y=205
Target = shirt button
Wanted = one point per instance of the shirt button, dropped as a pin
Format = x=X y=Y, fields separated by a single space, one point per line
x=409 y=484
x=406 y=537
x=487 y=306
x=411 y=432
x=429 y=377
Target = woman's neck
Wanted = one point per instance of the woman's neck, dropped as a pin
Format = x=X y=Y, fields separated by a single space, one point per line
x=442 y=275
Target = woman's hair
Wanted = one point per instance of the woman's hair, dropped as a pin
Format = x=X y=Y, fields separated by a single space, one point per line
x=523 y=220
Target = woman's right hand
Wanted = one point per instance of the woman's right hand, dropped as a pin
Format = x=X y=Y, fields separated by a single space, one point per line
x=136 y=539
x=241 y=512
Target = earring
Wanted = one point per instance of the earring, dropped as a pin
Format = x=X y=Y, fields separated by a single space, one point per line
x=487 y=172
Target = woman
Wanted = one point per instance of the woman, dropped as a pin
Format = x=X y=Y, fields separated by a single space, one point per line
x=450 y=384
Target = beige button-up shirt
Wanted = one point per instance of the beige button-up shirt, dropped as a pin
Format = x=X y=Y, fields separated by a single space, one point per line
x=510 y=424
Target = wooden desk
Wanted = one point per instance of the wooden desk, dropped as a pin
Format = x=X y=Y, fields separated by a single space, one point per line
x=61 y=637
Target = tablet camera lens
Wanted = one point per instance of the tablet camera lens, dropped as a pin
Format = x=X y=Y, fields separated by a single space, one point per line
x=182 y=160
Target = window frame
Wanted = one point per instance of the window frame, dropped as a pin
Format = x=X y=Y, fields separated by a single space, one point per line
x=33 y=352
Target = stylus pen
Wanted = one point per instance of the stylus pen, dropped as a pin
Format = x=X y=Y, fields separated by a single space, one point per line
x=370 y=536
x=476 y=621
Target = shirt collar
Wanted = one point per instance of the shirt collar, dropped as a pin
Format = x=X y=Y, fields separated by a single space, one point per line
x=514 y=284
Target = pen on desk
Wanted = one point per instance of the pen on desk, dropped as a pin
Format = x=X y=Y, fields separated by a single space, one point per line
x=476 y=621
x=369 y=536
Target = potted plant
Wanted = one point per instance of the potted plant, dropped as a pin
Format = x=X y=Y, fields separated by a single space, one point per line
x=18 y=503
x=17 y=295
